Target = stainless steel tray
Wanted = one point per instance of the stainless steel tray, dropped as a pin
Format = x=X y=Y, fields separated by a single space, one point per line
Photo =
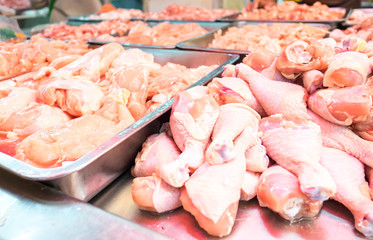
x=333 y=23
x=209 y=26
x=89 y=174
x=33 y=211
x=201 y=43
x=252 y=221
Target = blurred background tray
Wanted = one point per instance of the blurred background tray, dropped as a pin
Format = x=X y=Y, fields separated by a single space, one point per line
x=209 y=26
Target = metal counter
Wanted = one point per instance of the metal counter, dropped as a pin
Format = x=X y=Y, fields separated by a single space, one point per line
x=252 y=222
x=31 y=210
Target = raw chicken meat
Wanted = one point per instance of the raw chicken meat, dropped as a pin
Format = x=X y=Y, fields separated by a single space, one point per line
x=233 y=90
x=76 y=96
x=233 y=119
x=365 y=128
x=297 y=147
x=13 y=99
x=342 y=106
x=66 y=141
x=249 y=186
x=256 y=157
x=158 y=149
x=153 y=194
x=259 y=59
x=312 y=80
x=275 y=97
x=32 y=118
x=342 y=138
x=369 y=177
x=212 y=194
x=134 y=79
x=347 y=69
x=192 y=119
x=133 y=56
x=279 y=190
x=352 y=188
x=303 y=55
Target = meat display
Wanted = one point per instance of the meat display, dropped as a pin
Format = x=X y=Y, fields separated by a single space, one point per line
x=162 y=34
x=24 y=57
x=272 y=37
x=181 y=12
x=16 y=4
x=118 y=13
x=87 y=31
x=91 y=97
x=289 y=10
x=284 y=121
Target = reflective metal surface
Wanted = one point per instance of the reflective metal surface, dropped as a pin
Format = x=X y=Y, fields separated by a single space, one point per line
x=209 y=26
x=202 y=43
x=32 y=211
x=252 y=222
x=89 y=174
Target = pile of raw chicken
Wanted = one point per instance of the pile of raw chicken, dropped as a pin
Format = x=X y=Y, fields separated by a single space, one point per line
x=117 y=13
x=293 y=130
x=272 y=37
x=162 y=34
x=181 y=12
x=125 y=31
x=72 y=103
x=290 y=10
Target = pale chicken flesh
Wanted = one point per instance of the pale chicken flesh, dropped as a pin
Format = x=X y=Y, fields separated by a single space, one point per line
x=280 y=191
x=303 y=157
x=352 y=188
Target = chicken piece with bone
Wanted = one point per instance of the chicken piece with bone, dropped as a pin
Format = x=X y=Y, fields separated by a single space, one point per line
x=352 y=188
x=297 y=147
x=233 y=90
x=274 y=96
x=192 y=119
x=342 y=106
x=279 y=190
x=234 y=119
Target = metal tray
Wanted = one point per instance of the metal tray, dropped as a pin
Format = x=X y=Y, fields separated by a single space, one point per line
x=209 y=26
x=333 y=23
x=252 y=221
x=201 y=43
x=89 y=174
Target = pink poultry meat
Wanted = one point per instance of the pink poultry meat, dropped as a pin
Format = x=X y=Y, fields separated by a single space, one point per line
x=134 y=79
x=249 y=185
x=158 y=149
x=369 y=177
x=67 y=141
x=342 y=106
x=233 y=119
x=14 y=99
x=153 y=194
x=256 y=157
x=233 y=90
x=297 y=147
x=259 y=59
x=76 y=96
x=347 y=69
x=279 y=190
x=312 y=80
x=365 y=128
x=192 y=119
x=212 y=195
x=32 y=118
x=352 y=188
x=274 y=96
x=342 y=138
x=93 y=64
x=303 y=55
